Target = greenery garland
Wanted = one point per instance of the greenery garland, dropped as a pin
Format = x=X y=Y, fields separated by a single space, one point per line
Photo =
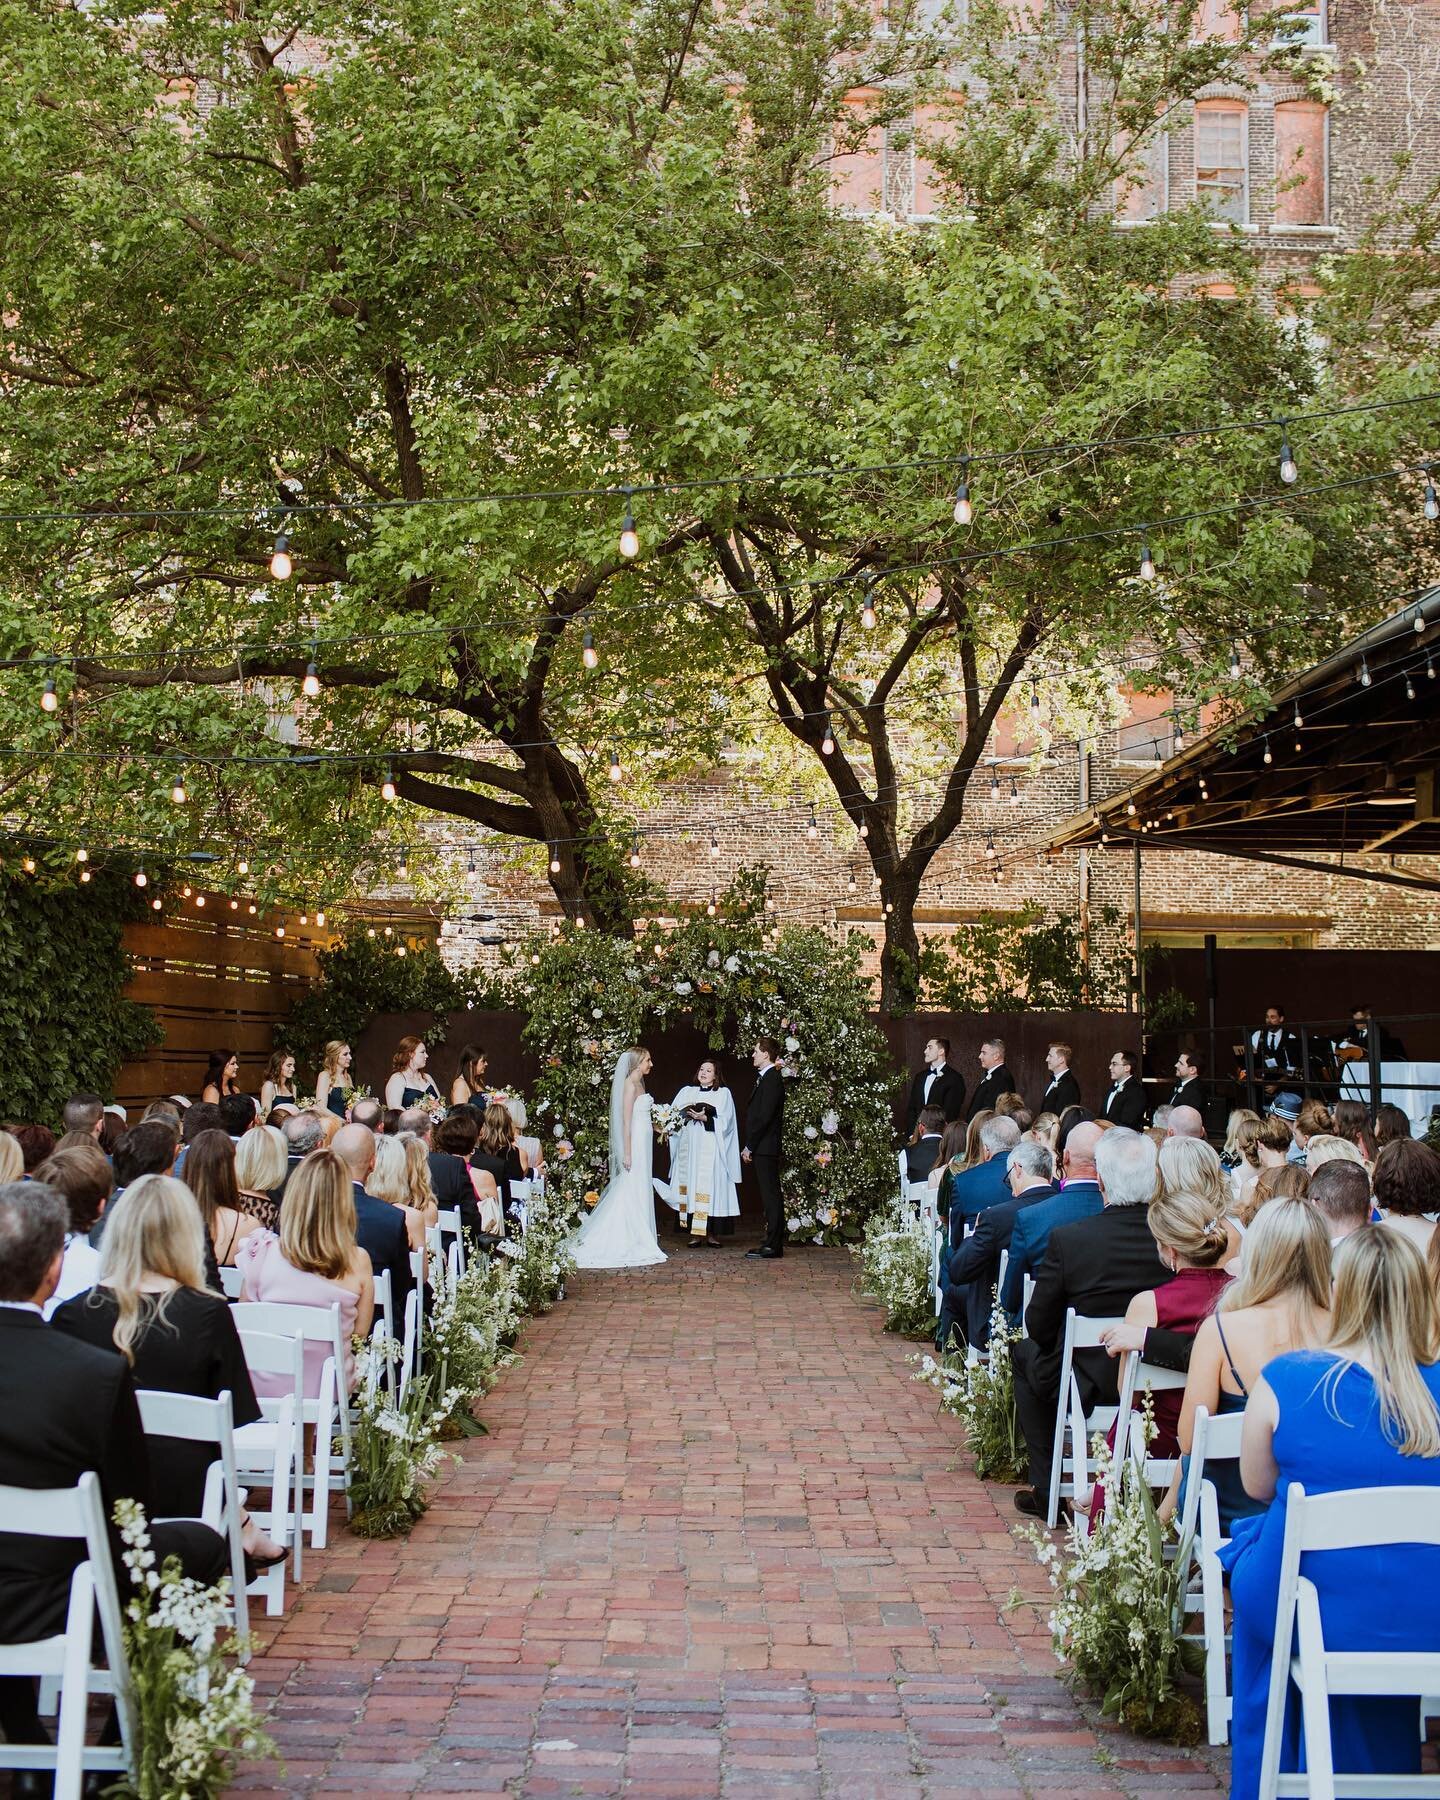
x=733 y=977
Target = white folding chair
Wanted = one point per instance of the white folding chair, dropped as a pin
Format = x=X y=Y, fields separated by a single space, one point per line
x=1353 y=1519
x=447 y=1225
x=904 y=1169
x=271 y=1451
x=328 y=1410
x=1136 y=1377
x=201 y=1421
x=1073 y=1426
x=519 y=1207
x=66 y=1657
x=231 y=1281
x=1214 y=1439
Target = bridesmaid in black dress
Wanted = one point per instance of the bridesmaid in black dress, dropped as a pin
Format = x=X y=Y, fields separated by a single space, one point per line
x=222 y=1076
x=278 y=1087
x=332 y=1084
x=409 y=1084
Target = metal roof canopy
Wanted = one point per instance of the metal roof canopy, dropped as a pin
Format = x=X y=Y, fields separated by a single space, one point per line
x=1359 y=775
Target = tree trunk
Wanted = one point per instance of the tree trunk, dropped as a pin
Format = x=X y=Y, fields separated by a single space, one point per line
x=900 y=953
x=589 y=883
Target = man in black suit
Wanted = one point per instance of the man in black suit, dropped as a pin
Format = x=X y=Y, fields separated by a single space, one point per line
x=974 y=1266
x=937 y=1084
x=1189 y=1088
x=1363 y=1030
x=1097 y=1265
x=1125 y=1103
x=1063 y=1089
x=66 y=1408
x=995 y=1081
x=921 y=1156
x=303 y=1133
x=1275 y=1049
x=764 y=1123
x=379 y=1227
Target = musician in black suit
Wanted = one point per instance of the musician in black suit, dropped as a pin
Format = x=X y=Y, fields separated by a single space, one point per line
x=1189 y=1088
x=764 y=1131
x=1125 y=1103
x=1363 y=1030
x=66 y=1408
x=1275 y=1049
x=995 y=1081
x=1064 y=1089
x=1097 y=1265
x=937 y=1084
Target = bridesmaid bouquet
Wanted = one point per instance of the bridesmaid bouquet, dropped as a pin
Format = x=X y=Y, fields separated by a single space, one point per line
x=667 y=1120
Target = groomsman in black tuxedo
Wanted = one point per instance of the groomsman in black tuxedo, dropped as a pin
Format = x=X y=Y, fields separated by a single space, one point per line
x=995 y=1081
x=937 y=1084
x=764 y=1130
x=1125 y=1103
x=1064 y=1089
x=1189 y=1088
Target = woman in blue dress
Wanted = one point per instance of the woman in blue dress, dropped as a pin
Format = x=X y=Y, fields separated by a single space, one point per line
x=1363 y=1412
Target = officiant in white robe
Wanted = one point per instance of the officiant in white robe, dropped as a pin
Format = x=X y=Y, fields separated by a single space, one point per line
x=704 y=1158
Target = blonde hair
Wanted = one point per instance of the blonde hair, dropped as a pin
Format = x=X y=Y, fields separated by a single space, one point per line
x=1043 y=1128
x=154 y=1228
x=261 y=1158
x=1190 y=1224
x=417 y=1169
x=389 y=1180
x=330 y=1057
x=1283 y=1181
x=1324 y=1148
x=974 y=1150
x=330 y=1123
x=12 y=1158
x=1385 y=1305
x=1287 y=1252
x=317 y=1221
x=1241 y=1117
x=1191 y=1166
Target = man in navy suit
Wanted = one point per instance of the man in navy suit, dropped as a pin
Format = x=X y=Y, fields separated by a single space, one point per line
x=379 y=1227
x=975 y=1264
x=1078 y=1198
x=971 y=1194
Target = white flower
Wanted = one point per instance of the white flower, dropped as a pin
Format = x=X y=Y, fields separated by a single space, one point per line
x=792 y=1224
x=819 y=1238
x=811 y=1132
x=830 y=1123
x=597 y=1012
x=712 y=961
x=559 y=1129
x=792 y=1044
x=732 y=965
x=683 y=987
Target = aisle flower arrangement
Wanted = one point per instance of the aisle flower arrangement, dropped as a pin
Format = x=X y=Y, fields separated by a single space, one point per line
x=395 y=1444
x=1118 y=1611
x=589 y=997
x=894 y=1258
x=982 y=1396
x=541 y=1257
x=194 y=1704
x=469 y=1329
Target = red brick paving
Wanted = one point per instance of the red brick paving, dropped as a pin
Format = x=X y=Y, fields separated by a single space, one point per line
x=717 y=1543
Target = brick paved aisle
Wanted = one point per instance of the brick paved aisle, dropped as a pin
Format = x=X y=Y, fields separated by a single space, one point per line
x=717 y=1543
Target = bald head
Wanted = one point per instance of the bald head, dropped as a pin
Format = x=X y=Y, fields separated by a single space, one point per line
x=1079 y=1158
x=1185 y=1122
x=355 y=1146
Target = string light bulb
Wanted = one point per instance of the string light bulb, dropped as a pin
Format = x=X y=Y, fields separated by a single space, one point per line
x=714 y=844
x=82 y=855
x=1234 y=665
x=989 y=845
x=1365 y=678
x=387 y=786
x=1147 y=563
x=141 y=878
x=589 y=655
x=28 y=865
x=1429 y=667
x=1432 y=501
x=242 y=867
x=310 y=686
x=864 y=828
x=1268 y=757
x=1297 y=721
x=827 y=743
x=320 y=916
x=281 y=565
x=1179 y=738
x=812 y=829
x=156 y=903
x=964 y=509
x=1034 y=697
x=177 y=792
x=403 y=871
x=850 y=883
x=995 y=785
x=1014 y=792
x=252 y=909
x=1409 y=688
x=279 y=931
x=84 y=874
x=710 y=906
x=49 y=699
x=1289 y=470
x=200 y=902
x=635 y=851
x=867 y=607
x=554 y=859
x=616 y=773
x=1419 y=623
x=629 y=536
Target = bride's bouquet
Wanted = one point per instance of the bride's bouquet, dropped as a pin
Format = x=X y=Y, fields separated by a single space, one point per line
x=667 y=1120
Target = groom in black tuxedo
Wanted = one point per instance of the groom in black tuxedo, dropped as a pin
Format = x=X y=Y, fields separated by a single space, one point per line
x=764 y=1121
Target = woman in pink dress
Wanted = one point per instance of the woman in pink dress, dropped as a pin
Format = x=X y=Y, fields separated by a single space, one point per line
x=314 y=1261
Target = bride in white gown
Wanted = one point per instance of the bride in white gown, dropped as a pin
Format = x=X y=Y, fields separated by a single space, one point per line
x=620 y=1233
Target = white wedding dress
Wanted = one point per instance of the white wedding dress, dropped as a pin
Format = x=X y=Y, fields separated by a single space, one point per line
x=620 y=1233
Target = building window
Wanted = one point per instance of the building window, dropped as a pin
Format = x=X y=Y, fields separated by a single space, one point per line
x=1141 y=193
x=1308 y=27
x=1220 y=160
x=1301 y=130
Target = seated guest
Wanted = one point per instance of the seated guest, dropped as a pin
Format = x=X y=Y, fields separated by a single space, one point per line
x=146 y=1149
x=974 y=1265
x=370 y=1113
x=302 y=1134
x=1407 y=1186
x=1352 y=1121
x=1069 y=1119
x=1160 y=1119
x=315 y=1261
x=995 y=1078
x=1097 y=1265
x=201 y=1117
x=238 y=1114
x=1189 y=1089
x=923 y=1150
x=262 y=1163
x=1078 y=1198
x=1183 y=1122
x=1361 y=1412
x=1280 y=1303
x=936 y=1085
x=952 y=1155
x=168 y=1109
x=1190 y=1165
x=390 y=1122
x=417 y=1174
x=496 y=1152
x=1313 y=1120
x=457 y=1186
x=1278 y=1181
x=1011 y=1106
x=1392 y=1124
x=530 y=1148
x=36 y=1143
x=12 y=1158
x=468 y=1087
x=389 y=1180
x=83 y=1112
x=1340 y=1192
x=1193 y=1243
x=222 y=1076
x=984 y=1185
x=379 y=1227
x=1267 y=1147
x=66 y=1409
x=151 y=1304
x=1237 y=1129
x=210 y=1177
x=1125 y=1103
x=86 y=1181
x=1044 y=1129
x=1062 y=1089
x=112 y=1129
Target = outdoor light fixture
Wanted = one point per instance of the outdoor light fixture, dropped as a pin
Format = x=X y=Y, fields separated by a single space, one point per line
x=867 y=608
x=1289 y=470
x=281 y=565
x=1147 y=564
x=964 y=511
x=310 y=686
x=629 y=537
x=616 y=772
x=387 y=786
x=589 y=655
x=49 y=700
